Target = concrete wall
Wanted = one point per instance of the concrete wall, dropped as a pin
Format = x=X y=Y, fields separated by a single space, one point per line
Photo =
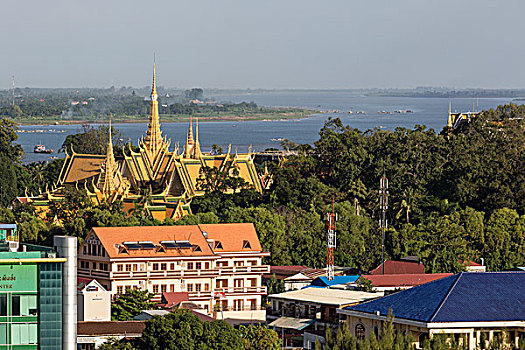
x=94 y=306
x=66 y=247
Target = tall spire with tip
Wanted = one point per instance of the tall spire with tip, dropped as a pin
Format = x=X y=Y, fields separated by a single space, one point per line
x=449 y=121
x=190 y=143
x=197 y=151
x=106 y=181
x=153 y=142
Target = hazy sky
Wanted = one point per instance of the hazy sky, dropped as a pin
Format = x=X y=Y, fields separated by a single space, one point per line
x=263 y=43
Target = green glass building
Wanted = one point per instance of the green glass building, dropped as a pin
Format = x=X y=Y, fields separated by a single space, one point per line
x=30 y=297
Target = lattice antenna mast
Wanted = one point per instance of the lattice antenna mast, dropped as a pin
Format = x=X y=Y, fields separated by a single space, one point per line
x=331 y=239
x=383 y=206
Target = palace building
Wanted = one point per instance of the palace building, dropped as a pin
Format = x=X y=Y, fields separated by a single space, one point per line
x=168 y=177
x=216 y=266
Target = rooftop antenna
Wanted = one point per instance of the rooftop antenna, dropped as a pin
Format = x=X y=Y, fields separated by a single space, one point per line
x=383 y=206
x=331 y=239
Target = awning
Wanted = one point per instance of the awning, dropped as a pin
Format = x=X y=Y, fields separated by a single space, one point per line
x=292 y=323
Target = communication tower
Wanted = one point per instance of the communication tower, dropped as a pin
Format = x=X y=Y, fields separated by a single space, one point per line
x=383 y=206
x=331 y=239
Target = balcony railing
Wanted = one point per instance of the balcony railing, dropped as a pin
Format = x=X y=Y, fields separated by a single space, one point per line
x=237 y=290
x=227 y=270
x=218 y=308
x=175 y=273
x=93 y=273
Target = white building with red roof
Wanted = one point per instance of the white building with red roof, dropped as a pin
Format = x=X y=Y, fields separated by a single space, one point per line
x=219 y=265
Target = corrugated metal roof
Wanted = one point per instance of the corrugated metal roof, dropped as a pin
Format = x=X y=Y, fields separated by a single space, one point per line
x=466 y=297
x=327 y=296
x=292 y=323
x=323 y=281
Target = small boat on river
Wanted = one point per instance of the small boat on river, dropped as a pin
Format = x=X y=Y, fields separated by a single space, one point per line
x=42 y=149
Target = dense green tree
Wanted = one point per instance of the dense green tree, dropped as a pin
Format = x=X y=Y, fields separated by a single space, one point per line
x=8 y=181
x=118 y=344
x=93 y=140
x=219 y=335
x=9 y=150
x=220 y=180
x=259 y=337
x=131 y=304
x=504 y=239
x=274 y=285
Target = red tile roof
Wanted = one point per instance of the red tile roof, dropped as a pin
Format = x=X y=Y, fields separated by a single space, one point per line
x=233 y=236
x=170 y=299
x=82 y=282
x=404 y=280
x=393 y=267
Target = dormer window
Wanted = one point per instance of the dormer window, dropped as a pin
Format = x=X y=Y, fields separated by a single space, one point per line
x=246 y=245
x=197 y=248
x=218 y=245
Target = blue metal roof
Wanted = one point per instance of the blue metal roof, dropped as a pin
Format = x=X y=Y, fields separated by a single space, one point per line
x=493 y=296
x=466 y=297
x=323 y=281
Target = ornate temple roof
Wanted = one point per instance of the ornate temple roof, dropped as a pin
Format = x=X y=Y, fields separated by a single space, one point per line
x=170 y=178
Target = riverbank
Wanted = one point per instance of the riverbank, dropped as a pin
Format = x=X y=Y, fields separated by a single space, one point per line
x=264 y=114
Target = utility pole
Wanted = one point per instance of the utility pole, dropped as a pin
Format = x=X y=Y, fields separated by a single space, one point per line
x=383 y=206
x=331 y=239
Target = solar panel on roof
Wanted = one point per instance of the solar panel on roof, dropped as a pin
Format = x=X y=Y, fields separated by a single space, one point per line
x=184 y=244
x=169 y=244
x=147 y=245
x=132 y=245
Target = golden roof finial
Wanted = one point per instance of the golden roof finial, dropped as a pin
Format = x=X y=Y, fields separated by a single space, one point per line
x=153 y=142
x=106 y=181
x=449 y=121
x=197 y=151
x=190 y=143
x=154 y=85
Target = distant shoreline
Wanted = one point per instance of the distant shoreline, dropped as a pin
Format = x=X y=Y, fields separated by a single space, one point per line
x=300 y=114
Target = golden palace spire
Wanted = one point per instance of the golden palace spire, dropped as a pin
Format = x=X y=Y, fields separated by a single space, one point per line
x=197 y=151
x=153 y=142
x=190 y=143
x=106 y=181
x=449 y=121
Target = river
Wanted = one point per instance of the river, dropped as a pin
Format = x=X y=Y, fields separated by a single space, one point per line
x=431 y=112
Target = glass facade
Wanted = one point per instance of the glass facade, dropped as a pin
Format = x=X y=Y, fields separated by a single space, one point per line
x=50 y=305
x=30 y=305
